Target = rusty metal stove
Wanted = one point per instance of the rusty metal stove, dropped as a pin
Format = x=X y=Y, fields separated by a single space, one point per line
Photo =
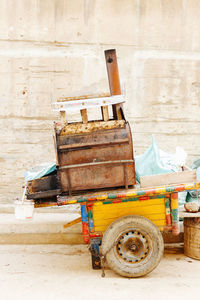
x=94 y=154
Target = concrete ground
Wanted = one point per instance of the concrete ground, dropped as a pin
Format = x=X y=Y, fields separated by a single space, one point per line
x=64 y=272
x=57 y=270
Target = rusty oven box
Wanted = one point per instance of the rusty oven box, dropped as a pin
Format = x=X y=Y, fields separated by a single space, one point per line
x=100 y=155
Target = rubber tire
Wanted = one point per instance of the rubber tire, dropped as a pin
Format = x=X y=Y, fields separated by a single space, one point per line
x=116 y=229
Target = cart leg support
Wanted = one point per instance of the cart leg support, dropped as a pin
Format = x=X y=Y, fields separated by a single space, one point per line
x=94 y=249
x=174 y=212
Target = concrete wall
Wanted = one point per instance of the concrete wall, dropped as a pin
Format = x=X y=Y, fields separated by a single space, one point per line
x=53 y=48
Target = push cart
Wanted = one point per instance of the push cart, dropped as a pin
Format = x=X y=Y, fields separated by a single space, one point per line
x=123 y=227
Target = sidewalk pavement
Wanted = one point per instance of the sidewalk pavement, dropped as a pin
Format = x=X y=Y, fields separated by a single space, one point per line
x=46 y=226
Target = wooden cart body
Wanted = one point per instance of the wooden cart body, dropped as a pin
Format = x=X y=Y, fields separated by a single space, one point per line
x=99 y=210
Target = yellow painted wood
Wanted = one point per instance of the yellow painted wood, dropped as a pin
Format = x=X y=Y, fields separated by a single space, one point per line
x=109 y=208
x=156 y=209
x=158 y=223
x=106 y=223
x=72 y=201
x=174 y=201
x=153 y=210
x=102 y=221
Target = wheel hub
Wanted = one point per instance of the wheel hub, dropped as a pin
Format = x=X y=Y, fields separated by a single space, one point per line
x=133 y=246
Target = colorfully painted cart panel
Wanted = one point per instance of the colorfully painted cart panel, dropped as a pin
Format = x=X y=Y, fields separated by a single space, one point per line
x=106 y=213
x=162 y=210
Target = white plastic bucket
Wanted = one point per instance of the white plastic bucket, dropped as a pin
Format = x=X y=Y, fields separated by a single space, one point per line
x=24 y=210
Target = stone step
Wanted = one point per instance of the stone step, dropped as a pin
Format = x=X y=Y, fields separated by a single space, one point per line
x=45 y=228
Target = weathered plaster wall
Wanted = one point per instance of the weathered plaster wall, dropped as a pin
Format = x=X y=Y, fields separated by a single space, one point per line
x=53 y=48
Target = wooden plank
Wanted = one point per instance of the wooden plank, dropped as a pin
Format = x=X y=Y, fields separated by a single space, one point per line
x=42 y=184
x=106 y=222
x=169 y=178
x=169 y=238
x=116 y=208
x=118 y=108
x=185 y=214
x=158 y=210
x=102 y=95
x=174 y=248
x=84 y=115
x=44 y=194
x=76 y=221
x=75 y=105
x=105 y=113
x=159 y=223
x=63 y=116
x=56 y=149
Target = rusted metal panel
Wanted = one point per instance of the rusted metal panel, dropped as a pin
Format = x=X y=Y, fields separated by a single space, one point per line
x=99 y=159
x=102 y=145
x=96 y=177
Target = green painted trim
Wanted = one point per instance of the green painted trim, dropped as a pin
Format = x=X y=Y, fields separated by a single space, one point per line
x=112 y=196
x=141 y=193
x=82 y=200
x=174 y=215
x=170 y=189
x=107 y=202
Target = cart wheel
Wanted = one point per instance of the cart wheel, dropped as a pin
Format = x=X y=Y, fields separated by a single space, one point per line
x=133 y=246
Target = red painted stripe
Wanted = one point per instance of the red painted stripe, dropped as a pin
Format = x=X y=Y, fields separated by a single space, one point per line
x=96 y=234
x=121 y=195
x=89 y=205
x=85 y=231
x=179 y=188
x=117 y=201
x=151 y=191
x=92 y=199
x=143 y=198
x=168 y=219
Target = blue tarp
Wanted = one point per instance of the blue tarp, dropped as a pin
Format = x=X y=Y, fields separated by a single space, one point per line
x=153 y=161
x=39 y=171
